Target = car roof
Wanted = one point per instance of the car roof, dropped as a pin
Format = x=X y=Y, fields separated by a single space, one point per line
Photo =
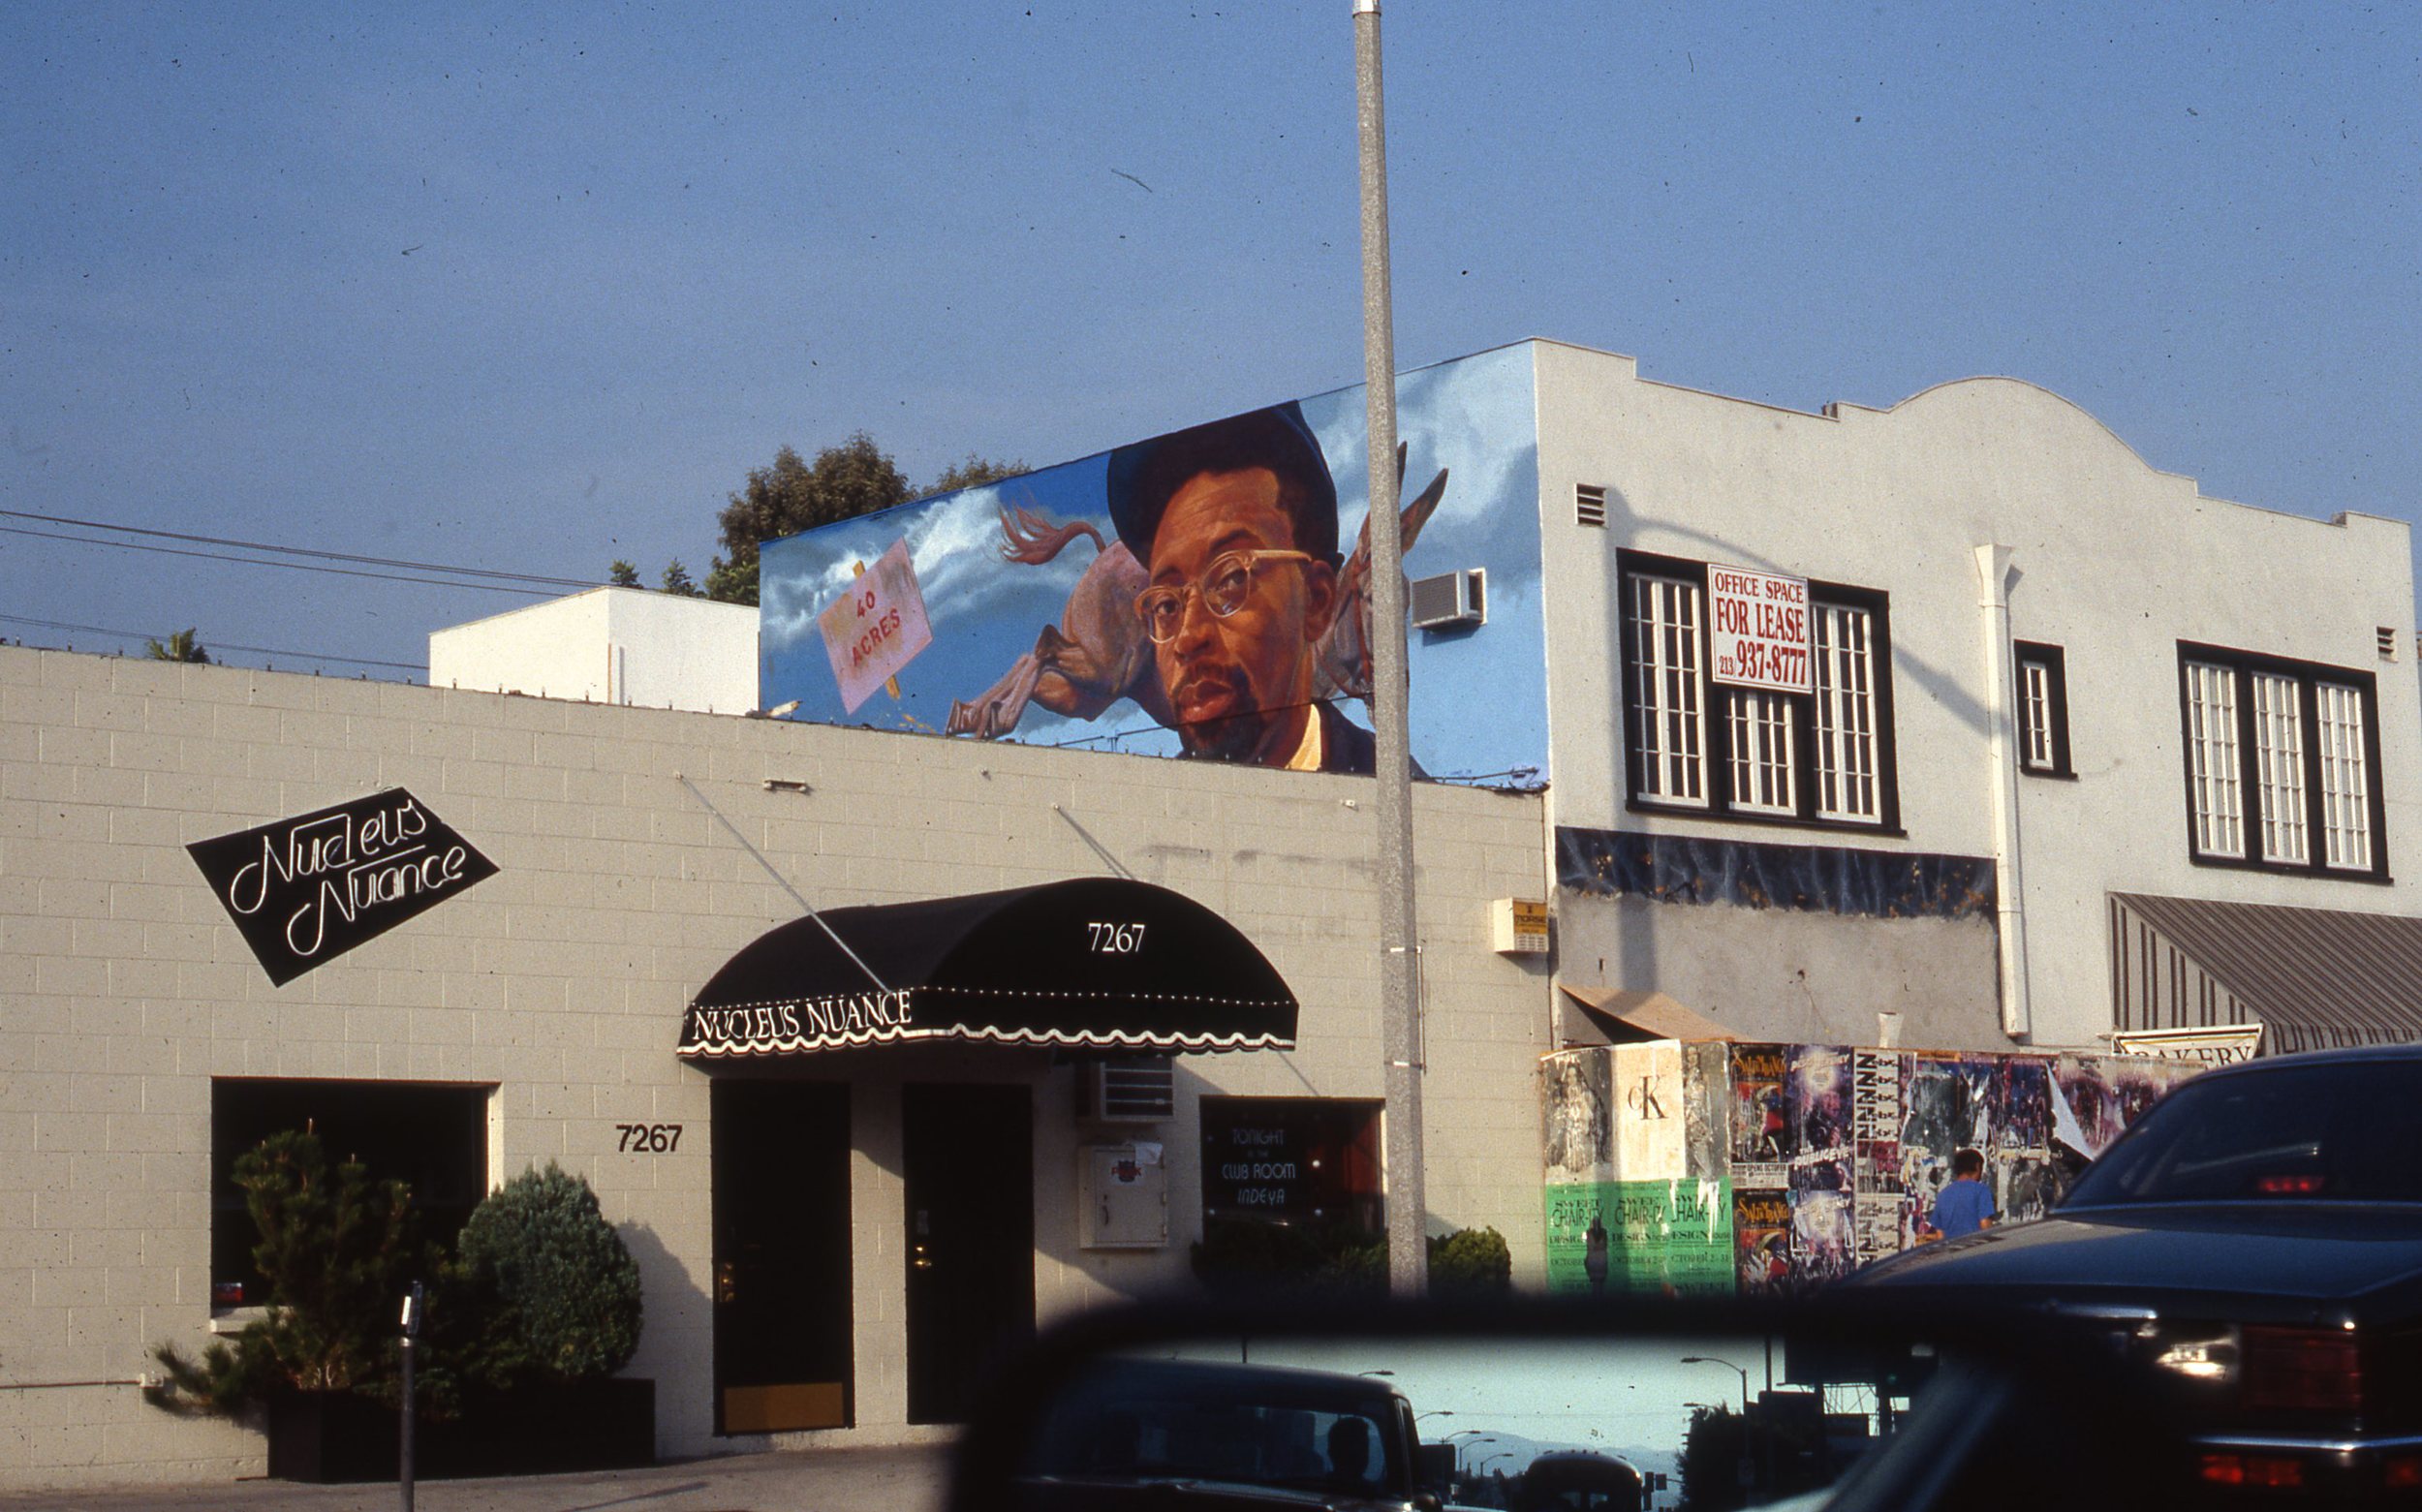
x=1284 y=1382
x=2345 y=1056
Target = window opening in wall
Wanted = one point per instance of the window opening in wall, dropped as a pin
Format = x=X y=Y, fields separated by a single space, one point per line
x=1295 y=1160
x=2346 y=791
x=2212 y=748
x=2042 y=709
x=2277 y=754
x=1667 y=690
x=1821 y=755
x=2387 y=634
x=431 y=1136
x=1589 y=504
x=1846 y=713
x=2279 y=759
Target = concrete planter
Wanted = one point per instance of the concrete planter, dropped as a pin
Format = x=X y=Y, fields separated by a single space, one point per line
x=335 y=1436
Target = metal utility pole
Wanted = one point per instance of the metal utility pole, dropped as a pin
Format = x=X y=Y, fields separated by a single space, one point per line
x=1407 y=1211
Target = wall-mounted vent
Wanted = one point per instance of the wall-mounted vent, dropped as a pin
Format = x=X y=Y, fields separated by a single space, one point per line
x=1450 y=600
x=1127 y=1089
x=1589 y=504
x=2388 y=642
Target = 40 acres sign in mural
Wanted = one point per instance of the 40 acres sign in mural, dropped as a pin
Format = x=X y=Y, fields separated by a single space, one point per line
x=1676 y=1168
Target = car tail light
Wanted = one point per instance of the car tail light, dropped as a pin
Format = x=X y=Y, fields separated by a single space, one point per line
x=2276 y=1472
x=2312 y=1369
x=2288 y=1185
x=2401 y=1473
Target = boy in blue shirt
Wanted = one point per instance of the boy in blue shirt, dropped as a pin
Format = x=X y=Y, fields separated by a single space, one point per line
x=1965 y=1205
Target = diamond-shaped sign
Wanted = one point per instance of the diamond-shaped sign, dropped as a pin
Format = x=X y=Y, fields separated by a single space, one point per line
x=307 y=890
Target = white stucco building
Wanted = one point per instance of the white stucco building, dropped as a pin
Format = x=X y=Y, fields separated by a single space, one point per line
x=2046 y=675
x=609 y=645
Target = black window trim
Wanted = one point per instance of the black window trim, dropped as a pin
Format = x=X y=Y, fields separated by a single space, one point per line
x=1717 y=748
x=2055 y=663
x=2306 y=674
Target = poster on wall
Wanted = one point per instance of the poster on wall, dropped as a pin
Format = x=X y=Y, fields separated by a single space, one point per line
x=1828 y=1157
x=1758 y=628
x=1203 y=593
x=1669 y=1238
x=1764 y=1137
x=305 y=890
x=1575 y=1101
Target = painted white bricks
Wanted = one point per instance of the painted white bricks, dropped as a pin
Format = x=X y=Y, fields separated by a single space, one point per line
x=561 y=981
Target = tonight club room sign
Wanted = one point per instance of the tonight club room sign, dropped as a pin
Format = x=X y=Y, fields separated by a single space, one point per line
x=305 y=890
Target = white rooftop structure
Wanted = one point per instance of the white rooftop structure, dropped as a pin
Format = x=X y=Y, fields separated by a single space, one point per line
x=609 y=645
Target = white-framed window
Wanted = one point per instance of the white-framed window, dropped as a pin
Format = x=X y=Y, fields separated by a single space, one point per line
x=1669 y=697
x=1842 y=643
x=2214 y=770
x=1759 y=724
x=1820 y=757
x=2042 y=677
x=2282 y=763
x=2279 y=764
x=2345 y=789
x=2034 y=721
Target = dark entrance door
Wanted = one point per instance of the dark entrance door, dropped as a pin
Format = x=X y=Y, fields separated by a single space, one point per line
x=969 y=1168
x=782 y=1256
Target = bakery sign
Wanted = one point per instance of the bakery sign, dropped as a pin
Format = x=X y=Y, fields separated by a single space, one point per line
x=307 y=890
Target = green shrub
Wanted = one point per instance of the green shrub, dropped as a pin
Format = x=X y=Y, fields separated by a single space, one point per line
x=543 y=1287
x=1469 y=1261
x=337 y=1251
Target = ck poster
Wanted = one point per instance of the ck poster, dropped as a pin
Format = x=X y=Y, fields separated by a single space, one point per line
x=1202 y=594
x=1815 y=1159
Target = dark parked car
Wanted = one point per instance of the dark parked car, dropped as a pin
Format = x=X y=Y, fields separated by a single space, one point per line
x=1200 y=1434
x=2257 y=1237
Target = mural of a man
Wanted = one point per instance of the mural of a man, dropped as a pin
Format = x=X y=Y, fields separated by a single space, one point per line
x=1235 y=525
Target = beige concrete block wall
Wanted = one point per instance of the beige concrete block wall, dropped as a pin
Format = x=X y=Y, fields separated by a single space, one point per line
x=560 y=983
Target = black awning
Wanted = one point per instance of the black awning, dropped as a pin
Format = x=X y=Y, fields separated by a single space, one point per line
x=1097 y=962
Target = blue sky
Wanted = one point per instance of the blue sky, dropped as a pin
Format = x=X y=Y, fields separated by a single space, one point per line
x=535 y=289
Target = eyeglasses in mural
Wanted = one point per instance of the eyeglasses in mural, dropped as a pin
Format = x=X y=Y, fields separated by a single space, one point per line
x=1203 y=593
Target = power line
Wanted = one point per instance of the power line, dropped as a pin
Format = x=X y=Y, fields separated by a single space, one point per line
x=300 y=551
x=218 y=645
x=299 y=567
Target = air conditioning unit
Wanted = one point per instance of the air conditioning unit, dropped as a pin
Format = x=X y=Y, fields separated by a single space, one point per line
x=1127 y=1089
x=1450 y=600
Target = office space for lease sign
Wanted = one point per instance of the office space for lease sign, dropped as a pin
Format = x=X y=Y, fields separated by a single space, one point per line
x=1759 y=628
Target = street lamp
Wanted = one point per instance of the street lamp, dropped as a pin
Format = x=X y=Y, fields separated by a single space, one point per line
x=1434 y=1413
x=1704 y=1359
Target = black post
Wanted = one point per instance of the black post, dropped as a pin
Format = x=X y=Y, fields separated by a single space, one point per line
x=412 y=1337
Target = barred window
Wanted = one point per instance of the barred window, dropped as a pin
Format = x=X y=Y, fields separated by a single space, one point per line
x=1822 y=756
x=2282 y=764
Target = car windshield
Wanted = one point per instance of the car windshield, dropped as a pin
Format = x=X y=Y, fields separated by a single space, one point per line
x=2344 y=1132
x=1122 y=1428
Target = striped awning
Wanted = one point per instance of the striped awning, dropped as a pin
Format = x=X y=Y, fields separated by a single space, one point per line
x=2316 y=977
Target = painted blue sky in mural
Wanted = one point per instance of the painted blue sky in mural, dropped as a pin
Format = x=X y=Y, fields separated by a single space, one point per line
x=1479 y=695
